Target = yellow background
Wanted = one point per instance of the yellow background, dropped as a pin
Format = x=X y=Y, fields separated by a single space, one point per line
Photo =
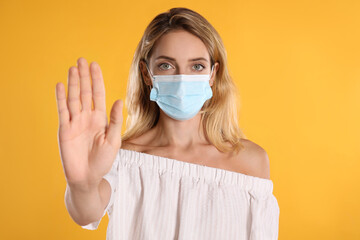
x=297 y=67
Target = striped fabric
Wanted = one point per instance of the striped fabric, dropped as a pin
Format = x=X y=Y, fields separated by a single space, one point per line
x=158 y=198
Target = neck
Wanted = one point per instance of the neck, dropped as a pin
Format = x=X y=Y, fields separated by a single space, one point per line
x=179 y=134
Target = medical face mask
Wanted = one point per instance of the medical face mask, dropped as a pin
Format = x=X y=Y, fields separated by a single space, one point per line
x=181 y=96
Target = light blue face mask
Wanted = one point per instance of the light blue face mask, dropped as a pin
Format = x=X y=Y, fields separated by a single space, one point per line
x=181 y=96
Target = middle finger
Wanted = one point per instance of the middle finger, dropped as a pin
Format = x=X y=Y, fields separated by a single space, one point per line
x=85 y=84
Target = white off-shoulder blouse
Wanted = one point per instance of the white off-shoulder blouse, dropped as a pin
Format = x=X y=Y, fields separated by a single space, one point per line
x=156 y=198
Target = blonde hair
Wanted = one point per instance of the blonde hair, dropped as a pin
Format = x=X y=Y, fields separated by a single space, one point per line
x=218 y=114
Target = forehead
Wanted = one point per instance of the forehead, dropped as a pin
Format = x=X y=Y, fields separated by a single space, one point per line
x=181 y=45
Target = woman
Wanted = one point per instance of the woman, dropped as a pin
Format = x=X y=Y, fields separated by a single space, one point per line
x=183 y=169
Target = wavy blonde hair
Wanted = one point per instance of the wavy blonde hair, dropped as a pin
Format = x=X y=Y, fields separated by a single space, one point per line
x=218 y=114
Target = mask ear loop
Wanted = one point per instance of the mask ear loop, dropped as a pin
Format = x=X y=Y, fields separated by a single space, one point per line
x=212 y=68
x=150 y=86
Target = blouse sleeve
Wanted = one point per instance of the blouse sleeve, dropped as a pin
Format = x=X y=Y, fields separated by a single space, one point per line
x=112 y=178
x=265 y=213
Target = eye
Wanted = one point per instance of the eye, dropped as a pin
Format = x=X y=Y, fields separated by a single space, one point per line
x=199 y=67
x=167 y=66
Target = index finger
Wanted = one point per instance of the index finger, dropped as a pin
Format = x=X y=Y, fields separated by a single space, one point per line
x=98 y=87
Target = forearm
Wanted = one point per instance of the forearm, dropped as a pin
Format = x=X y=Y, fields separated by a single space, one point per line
x=84 y=205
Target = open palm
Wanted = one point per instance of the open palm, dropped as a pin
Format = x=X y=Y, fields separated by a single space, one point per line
x=88 y=144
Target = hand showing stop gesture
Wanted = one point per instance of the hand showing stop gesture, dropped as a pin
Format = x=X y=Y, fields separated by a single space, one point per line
x=88 y=144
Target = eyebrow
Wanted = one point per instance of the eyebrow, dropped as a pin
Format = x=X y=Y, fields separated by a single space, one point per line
x=173 y=59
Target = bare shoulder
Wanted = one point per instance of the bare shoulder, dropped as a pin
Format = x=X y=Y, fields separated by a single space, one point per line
x=139 y=144
x=127 y=145
x=255 y=159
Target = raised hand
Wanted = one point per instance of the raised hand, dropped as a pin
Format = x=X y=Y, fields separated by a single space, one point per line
x=88 y=144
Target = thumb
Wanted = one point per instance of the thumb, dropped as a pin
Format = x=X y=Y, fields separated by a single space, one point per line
x=113 y=133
